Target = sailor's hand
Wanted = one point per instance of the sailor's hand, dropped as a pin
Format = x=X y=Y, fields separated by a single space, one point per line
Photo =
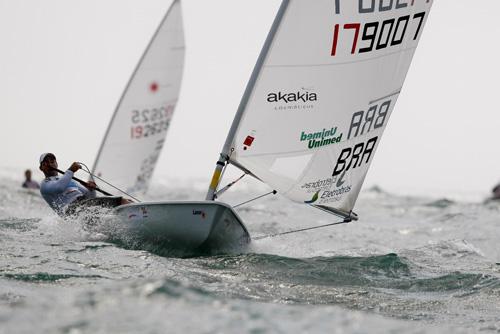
x=91 y=185
x=74 y=167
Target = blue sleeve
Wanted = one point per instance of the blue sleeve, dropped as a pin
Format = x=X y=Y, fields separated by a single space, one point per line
x=88 y=193
x=57 y=186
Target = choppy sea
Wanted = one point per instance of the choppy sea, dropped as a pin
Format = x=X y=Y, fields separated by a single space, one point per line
x=409 y=265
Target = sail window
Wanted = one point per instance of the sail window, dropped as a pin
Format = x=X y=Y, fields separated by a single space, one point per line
x=291 y=167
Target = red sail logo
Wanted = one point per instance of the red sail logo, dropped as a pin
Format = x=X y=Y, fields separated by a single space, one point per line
x=248 y=142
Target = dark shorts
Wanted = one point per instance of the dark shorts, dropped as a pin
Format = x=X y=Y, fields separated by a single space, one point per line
x=99 y=202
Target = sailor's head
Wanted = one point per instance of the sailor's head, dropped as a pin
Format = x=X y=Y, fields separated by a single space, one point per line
x=48 y=164
x=27 y=174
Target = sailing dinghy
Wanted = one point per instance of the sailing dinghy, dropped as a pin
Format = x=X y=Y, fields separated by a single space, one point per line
x=136 y=133
x=312 y=115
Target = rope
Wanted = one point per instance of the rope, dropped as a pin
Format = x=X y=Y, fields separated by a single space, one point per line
x=301 y=230
x=274 y=192
x=223 y=190
x=87 y=170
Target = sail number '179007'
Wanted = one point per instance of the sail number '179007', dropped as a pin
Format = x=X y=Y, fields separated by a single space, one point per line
x=360 y=37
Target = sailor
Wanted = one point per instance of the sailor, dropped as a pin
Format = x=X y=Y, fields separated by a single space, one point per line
x=28 y=182
x=66 y=196
x=61 y=191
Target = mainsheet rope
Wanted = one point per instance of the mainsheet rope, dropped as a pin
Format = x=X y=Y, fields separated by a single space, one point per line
x=300 y=230
x=87 y=170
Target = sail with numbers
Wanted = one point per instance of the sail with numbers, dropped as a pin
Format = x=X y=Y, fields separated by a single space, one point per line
x=320 y=97
x=309 y=122
x=136 y=133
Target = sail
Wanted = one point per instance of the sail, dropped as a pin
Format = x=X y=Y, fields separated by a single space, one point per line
x=321 y=95
x=137 y=130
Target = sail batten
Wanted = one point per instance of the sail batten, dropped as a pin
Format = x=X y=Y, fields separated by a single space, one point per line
x=136 y=133
x=412 y=49
x=321 y=95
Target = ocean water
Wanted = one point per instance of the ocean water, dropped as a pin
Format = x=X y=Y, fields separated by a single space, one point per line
x=409 y=265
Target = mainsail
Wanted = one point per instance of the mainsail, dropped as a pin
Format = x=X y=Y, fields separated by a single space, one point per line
x=137 y=130
x=321 y=95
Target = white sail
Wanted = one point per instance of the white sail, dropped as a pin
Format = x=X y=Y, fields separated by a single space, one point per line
x=137 y=130
x=321 y=95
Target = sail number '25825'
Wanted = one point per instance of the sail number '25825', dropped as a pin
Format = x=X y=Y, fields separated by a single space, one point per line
x=150 y=122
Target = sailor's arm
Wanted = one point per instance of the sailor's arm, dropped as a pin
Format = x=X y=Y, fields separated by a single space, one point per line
x=88 y=189
x=58 y=186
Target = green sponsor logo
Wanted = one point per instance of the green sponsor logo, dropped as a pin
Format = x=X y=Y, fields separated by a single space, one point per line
x=313 y=199
x=328 y=196
x=321 y=138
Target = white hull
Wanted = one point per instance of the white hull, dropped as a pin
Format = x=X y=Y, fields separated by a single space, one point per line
x=203 y=225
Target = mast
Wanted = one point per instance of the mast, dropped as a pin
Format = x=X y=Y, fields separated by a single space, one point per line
x=226 y=149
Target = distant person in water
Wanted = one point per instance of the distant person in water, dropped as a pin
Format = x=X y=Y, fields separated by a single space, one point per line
x=64 y=195
x=496 y=192
x=28 y=182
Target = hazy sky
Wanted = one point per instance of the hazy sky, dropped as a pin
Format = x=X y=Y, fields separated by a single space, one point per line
x=64 y=64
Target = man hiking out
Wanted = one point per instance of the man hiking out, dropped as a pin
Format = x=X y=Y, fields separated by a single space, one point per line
x=64 y=195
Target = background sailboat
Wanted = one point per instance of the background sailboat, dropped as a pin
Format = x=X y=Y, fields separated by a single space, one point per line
x=311 y=117
x=136 y=133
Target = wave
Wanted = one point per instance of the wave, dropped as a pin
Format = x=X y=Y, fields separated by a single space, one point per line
x=376 y=272
x=22 y=225
x=441 y=203
x=45 y=277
